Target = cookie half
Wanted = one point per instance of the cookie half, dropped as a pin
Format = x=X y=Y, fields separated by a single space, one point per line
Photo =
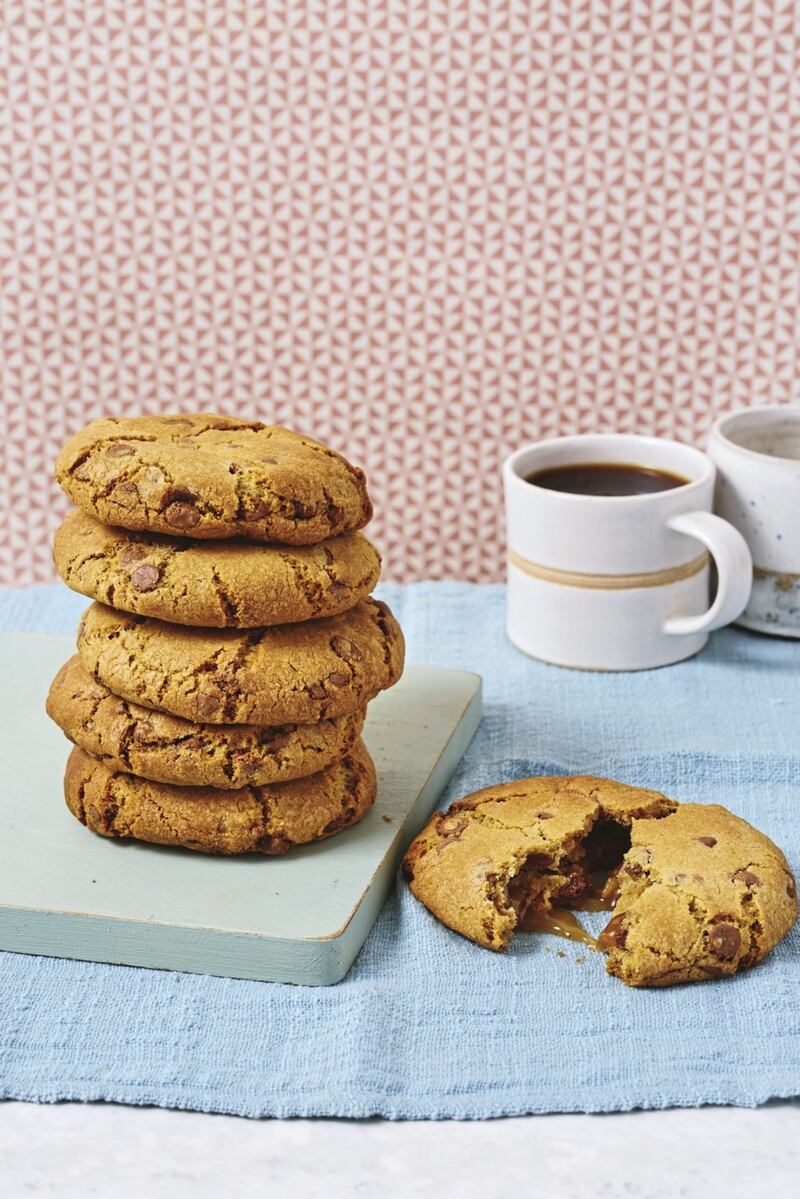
x=212 y=476
x=268 y=820
x=300 y=673
x=155 y=745
x=213 y=584
x=528 y=845
x=700 y=894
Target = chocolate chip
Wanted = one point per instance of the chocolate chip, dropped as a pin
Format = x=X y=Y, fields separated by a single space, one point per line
x=144 y=731
x=338 y=822
x=245 y=760
x=345 y=648
x=634 y=870
x=545 y=815
x=338 y=678
x=724 y=941
x=709 y=841
x=452 y=828
x=301 y=511
x=181 y=515
x=468 y=804
x=207 y=704
x=132 y=553
x=747 y=877
x=146 y=577
x=119 y=450
x=317 y=691
x=276 y=742
x=614 y=935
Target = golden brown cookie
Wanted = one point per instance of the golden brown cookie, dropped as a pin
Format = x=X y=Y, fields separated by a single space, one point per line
x=700 y=894
x=299 y=673
x=697 y=892
x=212 y=476
x=530 y=844
x=214 y=584
x=269 y=820
x=167 y=749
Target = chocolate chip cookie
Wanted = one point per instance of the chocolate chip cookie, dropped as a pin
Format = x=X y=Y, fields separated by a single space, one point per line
x=268 y=820
x=697 y=893
x=212 y=476
x=300 y=673
x=534 y=843
x=167 y=749
x=700 y=894
x=214 y=584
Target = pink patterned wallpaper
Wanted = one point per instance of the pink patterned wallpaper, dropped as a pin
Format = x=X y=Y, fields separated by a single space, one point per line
x=421 y=231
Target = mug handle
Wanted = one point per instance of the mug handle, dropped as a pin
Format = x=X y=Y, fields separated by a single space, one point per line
x=734 y=572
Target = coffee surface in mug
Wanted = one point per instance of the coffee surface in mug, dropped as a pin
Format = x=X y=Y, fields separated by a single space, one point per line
x=608 y=479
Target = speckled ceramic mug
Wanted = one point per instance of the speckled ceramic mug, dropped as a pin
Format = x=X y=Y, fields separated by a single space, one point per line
x=757 y=455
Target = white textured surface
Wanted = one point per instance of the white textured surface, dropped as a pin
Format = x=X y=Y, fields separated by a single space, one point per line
x=77 y=1151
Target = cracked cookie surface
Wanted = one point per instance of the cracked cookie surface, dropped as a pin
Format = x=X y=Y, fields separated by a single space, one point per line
x=697 y=892
x=213 y=584
x=207 y=475
x=267 y=820
x=155 y=745
x=701 y=894
x=481 y=864
x=299 y=673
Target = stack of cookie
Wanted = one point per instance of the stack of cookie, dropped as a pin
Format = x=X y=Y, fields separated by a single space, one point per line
x=219 y=690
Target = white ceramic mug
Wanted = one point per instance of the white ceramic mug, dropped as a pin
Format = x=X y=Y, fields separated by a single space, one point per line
x=618 y=583
x=757 y=455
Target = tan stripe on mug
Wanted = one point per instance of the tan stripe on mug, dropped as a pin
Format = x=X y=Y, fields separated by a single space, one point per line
x=570 y=578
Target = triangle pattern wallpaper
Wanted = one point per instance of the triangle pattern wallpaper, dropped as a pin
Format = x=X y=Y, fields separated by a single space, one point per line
x=423 y=232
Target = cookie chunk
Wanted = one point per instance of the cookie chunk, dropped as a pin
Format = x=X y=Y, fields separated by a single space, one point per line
x=268 y=820
x=213 y=584
x=300 y=673
x=700 y=894
x=511 y=849
x=154 y=745
x=212 y=476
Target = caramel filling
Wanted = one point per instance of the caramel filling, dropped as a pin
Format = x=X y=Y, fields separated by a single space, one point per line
x=559 y=923
x=544 y=893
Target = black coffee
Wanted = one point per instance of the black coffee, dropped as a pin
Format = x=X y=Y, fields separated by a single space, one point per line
x=605 y=478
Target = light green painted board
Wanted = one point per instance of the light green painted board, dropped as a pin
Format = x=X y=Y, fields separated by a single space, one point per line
x=301 y=918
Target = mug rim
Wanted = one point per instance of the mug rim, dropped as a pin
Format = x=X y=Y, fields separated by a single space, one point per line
x=707 y=469
x=718 y=429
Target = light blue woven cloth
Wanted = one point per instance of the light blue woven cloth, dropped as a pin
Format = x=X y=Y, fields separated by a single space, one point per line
x=426 y=1025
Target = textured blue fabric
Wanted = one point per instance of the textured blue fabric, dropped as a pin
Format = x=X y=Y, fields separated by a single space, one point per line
x=427 y=1025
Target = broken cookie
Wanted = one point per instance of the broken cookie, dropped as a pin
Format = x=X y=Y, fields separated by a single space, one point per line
x=514 y=856
x=700 y=894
